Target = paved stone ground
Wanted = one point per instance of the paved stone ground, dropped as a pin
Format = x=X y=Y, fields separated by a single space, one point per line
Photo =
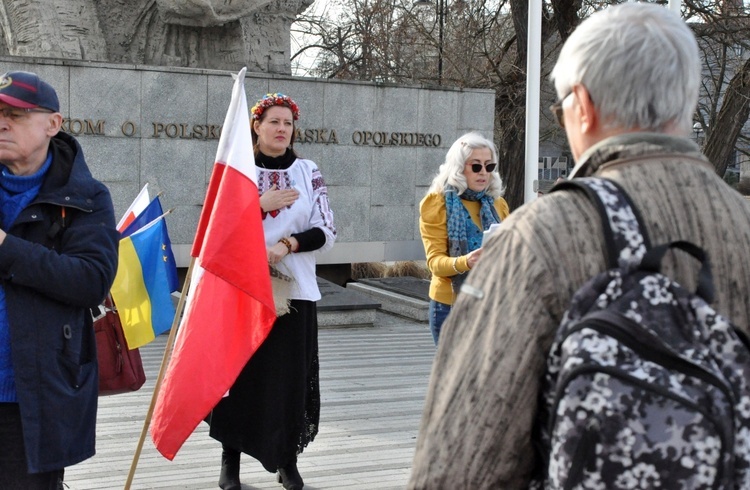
x=373 y=382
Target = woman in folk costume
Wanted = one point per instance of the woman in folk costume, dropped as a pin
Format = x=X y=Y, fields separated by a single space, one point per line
x=273 y=409
x=462 y=202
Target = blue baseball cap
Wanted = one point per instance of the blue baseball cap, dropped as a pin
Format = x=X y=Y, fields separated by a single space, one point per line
x=27 y=91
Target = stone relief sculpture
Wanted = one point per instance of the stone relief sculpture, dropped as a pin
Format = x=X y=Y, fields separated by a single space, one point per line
x=219 y=34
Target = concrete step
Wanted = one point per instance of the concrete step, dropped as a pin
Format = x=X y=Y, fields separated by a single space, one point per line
x=340 y=307
x=400 y=296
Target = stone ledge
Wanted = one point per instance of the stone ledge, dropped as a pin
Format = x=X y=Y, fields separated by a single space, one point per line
x=339 y=307
x=413 y=287
x=391 y=302
x=347 y=318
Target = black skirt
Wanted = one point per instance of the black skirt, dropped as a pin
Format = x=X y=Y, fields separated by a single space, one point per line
x=273 y=409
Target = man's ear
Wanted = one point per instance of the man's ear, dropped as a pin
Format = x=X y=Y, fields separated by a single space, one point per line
x=586 y=111
x=54 y=123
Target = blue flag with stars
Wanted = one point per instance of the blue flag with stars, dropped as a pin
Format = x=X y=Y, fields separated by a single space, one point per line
x=153 y=211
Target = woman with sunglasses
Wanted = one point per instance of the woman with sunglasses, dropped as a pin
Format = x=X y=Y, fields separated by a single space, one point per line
x=462 y=202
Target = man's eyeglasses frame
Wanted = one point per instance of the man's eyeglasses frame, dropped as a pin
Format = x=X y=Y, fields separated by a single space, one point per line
x=557 y=110
x=16 y=113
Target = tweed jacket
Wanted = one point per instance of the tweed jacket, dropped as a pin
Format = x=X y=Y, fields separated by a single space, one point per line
x=478 y=421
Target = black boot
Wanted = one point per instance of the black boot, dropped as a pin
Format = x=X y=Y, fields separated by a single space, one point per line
x=229 y=479
x=289 y=477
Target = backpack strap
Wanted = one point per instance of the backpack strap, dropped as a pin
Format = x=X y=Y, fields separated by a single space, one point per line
x=652 y=262
x=624 y=233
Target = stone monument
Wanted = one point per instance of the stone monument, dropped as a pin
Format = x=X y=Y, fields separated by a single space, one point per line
x=144 y=86
x=214 y=34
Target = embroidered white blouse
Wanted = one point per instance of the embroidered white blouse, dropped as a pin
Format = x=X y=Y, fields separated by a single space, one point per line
x=310 y=210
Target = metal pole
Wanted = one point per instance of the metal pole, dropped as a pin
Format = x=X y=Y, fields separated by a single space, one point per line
x=533 y=88
x=441 y=13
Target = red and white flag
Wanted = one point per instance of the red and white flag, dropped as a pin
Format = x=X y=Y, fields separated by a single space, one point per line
x=139 y=204
x=230 y=308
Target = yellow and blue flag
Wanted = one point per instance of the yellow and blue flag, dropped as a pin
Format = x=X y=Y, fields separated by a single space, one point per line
x=141 y=289
x=149 y=214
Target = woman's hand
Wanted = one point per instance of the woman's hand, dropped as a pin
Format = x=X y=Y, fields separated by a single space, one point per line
x=279 y=250
x=275 y=198
x=276 y=252
x=473 y=257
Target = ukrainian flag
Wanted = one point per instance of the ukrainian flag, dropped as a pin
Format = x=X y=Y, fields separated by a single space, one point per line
x=141 y=289
x=153 y=211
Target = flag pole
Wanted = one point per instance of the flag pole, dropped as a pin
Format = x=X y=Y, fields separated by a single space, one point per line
x=162 y=369
x=151 y=223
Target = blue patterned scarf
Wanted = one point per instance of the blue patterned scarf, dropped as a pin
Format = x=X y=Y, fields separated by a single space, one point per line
x=463 y=234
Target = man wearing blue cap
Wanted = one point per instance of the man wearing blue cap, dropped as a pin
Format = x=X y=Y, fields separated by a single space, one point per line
x=58 y=258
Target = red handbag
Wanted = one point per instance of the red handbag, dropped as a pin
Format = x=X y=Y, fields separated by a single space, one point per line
x=120 y=368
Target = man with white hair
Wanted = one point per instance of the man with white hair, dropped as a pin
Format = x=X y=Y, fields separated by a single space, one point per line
x=627 y=81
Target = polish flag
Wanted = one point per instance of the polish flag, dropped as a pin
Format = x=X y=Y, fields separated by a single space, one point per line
x=230 y=308
x=137 y=207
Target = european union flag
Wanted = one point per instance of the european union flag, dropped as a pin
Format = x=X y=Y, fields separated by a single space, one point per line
x=153 y=211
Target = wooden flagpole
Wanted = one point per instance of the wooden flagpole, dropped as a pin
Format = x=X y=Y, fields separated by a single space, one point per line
x=162 y=369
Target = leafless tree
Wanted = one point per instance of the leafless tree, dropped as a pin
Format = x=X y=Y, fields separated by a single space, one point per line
x=723 y=29
x=484 y=46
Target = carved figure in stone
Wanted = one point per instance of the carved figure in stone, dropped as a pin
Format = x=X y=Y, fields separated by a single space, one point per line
x=219 y=34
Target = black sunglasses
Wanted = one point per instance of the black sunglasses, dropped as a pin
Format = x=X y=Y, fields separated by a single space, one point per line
x=557 y=110
x=477 y=167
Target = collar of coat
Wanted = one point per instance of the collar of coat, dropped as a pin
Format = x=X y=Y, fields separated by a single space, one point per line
x=631 y=145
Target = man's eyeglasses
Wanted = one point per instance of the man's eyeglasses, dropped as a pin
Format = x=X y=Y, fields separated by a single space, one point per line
x=477 y=167
x=16 y=114
x=557 y=110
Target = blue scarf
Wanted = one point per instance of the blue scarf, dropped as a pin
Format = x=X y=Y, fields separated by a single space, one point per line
x=463 y=234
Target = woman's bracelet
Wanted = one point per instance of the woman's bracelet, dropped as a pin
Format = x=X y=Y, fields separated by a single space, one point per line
x=288 y=244
x=455 y=260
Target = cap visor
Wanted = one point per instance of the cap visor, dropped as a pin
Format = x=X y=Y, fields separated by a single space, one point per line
x=12 y=101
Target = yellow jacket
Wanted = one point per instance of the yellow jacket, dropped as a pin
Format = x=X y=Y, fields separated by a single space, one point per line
x=433 y=226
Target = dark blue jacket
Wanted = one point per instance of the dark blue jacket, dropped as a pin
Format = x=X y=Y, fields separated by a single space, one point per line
x=54 y=266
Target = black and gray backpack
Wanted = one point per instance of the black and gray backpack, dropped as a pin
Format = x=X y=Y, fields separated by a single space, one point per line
x=646 y=385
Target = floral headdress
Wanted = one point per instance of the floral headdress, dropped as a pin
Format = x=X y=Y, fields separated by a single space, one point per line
x=270 y=100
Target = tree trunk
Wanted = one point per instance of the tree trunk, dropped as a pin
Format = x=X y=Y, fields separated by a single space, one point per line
x=566 y=15
x=732 y=117
x=510 y=136
x=514 y=167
